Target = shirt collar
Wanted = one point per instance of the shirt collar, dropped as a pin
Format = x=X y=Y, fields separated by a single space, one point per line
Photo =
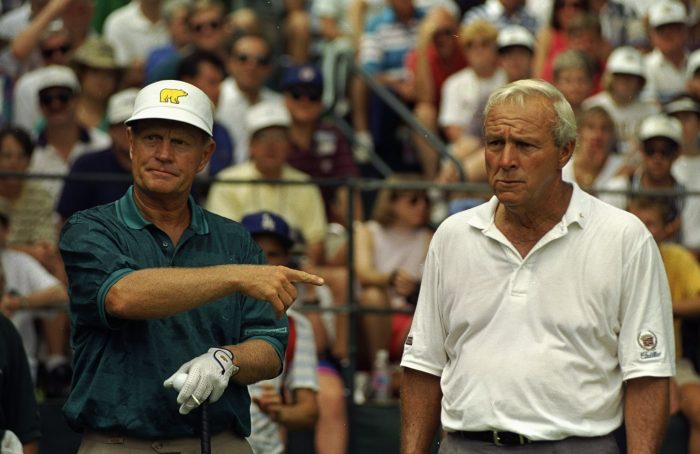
x=131 y=216
x=482 y=217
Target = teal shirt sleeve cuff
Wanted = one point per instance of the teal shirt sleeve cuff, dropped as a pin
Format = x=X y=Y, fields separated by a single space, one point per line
x=108 y=320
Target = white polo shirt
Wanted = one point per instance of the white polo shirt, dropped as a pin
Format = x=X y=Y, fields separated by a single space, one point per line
x=541 y=345
x=132 y=35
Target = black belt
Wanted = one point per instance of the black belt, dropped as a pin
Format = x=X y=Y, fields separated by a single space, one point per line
x=495 y=437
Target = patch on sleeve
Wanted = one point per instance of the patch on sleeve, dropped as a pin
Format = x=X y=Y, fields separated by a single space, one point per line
x=409 y=340
x=648 y=341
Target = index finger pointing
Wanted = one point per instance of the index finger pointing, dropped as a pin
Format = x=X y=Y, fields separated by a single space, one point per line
x=303 y=276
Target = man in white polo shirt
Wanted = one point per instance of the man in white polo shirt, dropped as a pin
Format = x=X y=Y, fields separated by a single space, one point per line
x=543 y=312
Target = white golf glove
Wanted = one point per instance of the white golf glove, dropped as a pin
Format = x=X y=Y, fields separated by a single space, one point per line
x=207 y=378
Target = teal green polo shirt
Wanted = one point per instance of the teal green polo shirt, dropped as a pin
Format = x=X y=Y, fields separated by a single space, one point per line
x=120 y=365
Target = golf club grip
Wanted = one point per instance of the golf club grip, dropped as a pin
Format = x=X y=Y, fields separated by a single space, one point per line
x=206 y=436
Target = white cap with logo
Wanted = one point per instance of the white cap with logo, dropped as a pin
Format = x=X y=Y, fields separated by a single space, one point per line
x=661 y=125
x=626 y=60
x=174 y=100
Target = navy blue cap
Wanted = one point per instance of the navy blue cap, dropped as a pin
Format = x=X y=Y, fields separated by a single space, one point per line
x=269 y=223
x=301 y=75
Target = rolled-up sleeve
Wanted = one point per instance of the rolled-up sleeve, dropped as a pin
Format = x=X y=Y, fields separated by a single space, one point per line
x=94 y=262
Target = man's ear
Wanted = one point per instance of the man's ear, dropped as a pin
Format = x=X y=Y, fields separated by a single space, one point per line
x=206 y=156
x=565 y=153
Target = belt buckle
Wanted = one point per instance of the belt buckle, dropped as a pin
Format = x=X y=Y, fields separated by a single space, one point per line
x=496 y=438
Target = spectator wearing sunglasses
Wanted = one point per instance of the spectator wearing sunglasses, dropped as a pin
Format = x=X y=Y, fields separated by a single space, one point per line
x=660 y=139
x=55 y=48
x=63 y=138
x=319 y=149
x=207 y=31
x=249 y=65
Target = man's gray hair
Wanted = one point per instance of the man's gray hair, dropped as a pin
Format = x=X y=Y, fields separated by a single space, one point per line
x=518 y=92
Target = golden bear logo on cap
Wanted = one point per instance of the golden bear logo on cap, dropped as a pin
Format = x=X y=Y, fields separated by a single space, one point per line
x=172 y=95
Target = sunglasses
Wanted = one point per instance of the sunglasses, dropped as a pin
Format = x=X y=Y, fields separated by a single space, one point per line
x=312 y=94
x=260 y=60
x=47 y=99
x=665 y=151
x=48 y=52
x=214 y=25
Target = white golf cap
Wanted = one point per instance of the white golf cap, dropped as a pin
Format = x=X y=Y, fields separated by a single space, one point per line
x=626 y=60
x=667 y=12
x=661 y=125
x=693 y=64
x=267 y=114
x=121 y=105
x=57 y=76
x=515 y=35
x=682 y=104
x=174 y=100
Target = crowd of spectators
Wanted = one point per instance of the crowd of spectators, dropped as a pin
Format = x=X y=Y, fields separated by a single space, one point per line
x=288 y=107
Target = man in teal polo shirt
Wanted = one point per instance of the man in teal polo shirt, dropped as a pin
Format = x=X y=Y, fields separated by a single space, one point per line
x=156 y=281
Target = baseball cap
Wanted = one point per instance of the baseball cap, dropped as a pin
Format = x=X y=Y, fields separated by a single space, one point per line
x=693 y=64
x=267 y=222
x=174 y=100
x=96 y=53
x=57 y=76
x=265 y=115
x=682 y=104
x=626 y=60
x=301 y=75
x=667 y=12
x=661 y=125
x=121 y=105
x=515 y=35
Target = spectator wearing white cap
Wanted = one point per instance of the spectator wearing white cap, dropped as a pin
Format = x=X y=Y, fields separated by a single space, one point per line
x=687 y=167
x=165 y=294
x=666 y=64
x=92 y=189
x=56 y=48
x=660 y=138
x=301 y=205
x=62 y=139
x=624 y=80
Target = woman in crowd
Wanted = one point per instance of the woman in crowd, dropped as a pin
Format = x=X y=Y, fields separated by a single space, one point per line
x=389 y=253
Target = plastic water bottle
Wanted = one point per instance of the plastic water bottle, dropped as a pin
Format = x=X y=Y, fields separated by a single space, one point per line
x=381 y=377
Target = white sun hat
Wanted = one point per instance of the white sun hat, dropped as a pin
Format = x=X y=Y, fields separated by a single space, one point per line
x=626 y=60
x=266 y=114
x=661 y=125
x=667 y=12
x=121 y=105
x=174 y=100
x=515 y=35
